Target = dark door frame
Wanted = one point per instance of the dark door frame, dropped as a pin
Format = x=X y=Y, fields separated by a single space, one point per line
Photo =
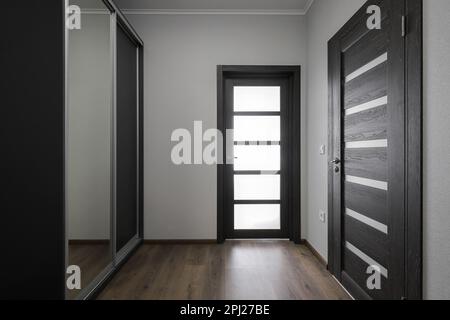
x=412 y=11
x=292 y=123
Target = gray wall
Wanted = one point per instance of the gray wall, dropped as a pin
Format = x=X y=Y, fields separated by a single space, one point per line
x=437 y=149
x=181 y=54
x=323 y=20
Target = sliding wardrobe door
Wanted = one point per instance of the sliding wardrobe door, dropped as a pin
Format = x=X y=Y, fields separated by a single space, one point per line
x=103 y=145
x=89 y=149
x=127 y=139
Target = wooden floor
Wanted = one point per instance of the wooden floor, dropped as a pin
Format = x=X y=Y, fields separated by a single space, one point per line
x=236 y=270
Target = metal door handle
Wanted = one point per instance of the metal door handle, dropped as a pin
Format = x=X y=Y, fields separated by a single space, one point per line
x=336 y=161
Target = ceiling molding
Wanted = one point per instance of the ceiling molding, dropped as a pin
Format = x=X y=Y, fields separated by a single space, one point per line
x=215 y=12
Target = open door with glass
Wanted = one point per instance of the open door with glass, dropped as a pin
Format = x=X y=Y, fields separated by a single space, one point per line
x=254 y=182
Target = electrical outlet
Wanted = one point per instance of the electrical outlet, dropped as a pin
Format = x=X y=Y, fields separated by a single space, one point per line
x=322 y=216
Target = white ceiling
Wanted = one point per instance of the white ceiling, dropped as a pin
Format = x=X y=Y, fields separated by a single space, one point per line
x=297 y=6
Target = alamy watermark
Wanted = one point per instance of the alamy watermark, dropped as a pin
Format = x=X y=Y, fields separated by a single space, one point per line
x=374 y=21
x=201 y=147
x=73 y=281
x=374 y=280
x=73 y=17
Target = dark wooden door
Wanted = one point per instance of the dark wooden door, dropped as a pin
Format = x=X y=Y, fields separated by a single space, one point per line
x=368 y=162
x=255 y=177
x=258 y=192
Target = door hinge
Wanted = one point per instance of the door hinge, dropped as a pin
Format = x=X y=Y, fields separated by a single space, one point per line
x=404 y=26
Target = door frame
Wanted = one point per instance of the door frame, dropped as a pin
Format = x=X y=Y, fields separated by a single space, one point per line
x=413 y=145
x=293 y=76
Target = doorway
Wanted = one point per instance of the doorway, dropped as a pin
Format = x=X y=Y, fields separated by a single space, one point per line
x=375 y=189
x=259 y=182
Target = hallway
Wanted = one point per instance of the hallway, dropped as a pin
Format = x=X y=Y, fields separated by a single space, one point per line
x=199 y=151
x=236 y=270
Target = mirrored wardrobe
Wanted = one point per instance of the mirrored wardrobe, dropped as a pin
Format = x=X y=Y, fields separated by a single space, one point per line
x=71 y=120
x=103 y=143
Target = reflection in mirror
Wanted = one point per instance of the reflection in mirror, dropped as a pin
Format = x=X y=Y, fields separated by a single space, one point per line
x=88 y=158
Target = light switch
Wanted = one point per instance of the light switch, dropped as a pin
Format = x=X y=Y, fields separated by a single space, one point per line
x=323 y=149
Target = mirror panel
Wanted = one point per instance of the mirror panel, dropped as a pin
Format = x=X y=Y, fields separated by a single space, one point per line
x=89 y=143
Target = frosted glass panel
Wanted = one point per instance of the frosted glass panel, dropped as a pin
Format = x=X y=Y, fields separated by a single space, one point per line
x=256 y=99
x=257 y=217
x=260 y=158
x=256 y=187
x=249 y=128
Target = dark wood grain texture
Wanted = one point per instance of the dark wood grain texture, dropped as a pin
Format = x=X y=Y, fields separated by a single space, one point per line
x=396 y=152
x=399 y=122
x=414 y=150
x=334 y=152
x=356 y=270
x=370 y=163
x=368 y=201
x=367 y=125
x=367 y=87
x=353 y=287
x=367 y=239
x=236 y=270
x=370 y=46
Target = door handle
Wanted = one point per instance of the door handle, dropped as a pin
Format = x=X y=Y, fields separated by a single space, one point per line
x=335 y=161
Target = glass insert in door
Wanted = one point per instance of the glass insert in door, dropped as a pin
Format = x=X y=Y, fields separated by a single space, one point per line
x=257 y=157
